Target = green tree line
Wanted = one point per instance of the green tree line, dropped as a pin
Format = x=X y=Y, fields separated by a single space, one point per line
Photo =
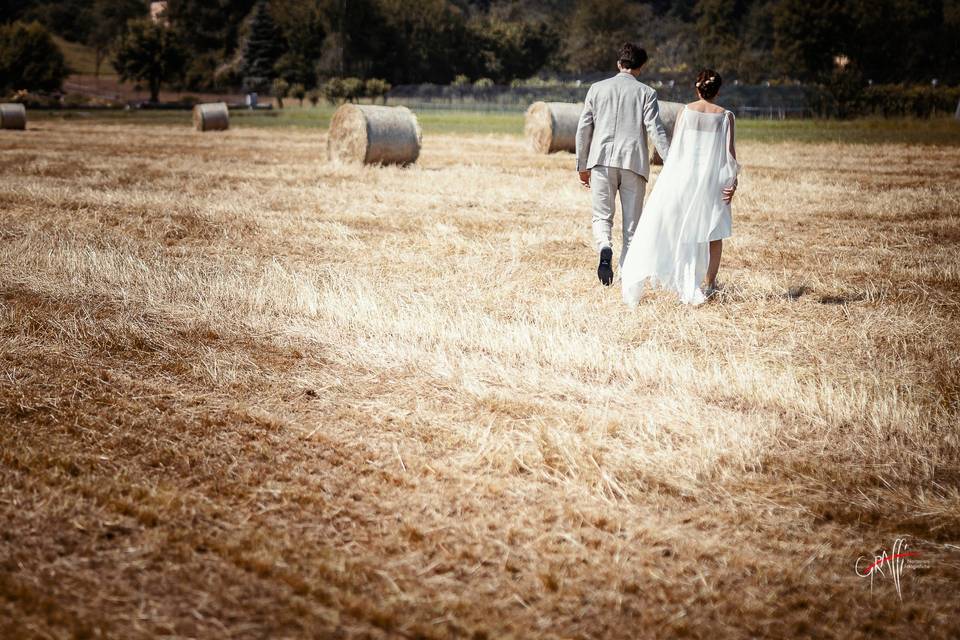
x=230 y=43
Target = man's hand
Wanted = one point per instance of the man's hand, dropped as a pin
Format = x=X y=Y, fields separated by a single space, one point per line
x=585 y=178
x=729 y=191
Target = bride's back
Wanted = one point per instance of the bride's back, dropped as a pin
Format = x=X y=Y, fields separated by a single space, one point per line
x=703 y=120
x=704 y=115
x=702 y=106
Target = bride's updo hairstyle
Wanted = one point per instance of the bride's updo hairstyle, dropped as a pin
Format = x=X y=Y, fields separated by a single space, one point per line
x=708 y=84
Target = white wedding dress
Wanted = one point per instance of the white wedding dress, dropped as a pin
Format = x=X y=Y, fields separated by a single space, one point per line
x=685 y=211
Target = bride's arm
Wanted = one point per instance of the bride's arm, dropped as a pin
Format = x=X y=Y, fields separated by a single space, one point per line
x=730 y=144
x=731 y=147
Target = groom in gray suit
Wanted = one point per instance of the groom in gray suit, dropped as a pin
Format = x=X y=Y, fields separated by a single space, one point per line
x=612 y=151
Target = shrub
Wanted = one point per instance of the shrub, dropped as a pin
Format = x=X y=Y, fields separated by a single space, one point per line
x=353 y=89
x=840 y=97
x=377 y=88
x=921 y=101
x=314 y=96
x=459 y=84
x=334 y=90
x=483 y=87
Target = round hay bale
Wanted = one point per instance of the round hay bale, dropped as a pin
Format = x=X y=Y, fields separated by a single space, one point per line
x=212 y=116
x=668 y=116
x=552 y=126
x=13 y=116
x=374 y=135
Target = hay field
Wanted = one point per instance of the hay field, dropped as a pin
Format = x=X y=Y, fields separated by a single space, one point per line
x=246 y=393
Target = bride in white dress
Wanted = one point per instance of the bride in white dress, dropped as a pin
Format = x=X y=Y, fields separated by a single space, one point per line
x=679 y=239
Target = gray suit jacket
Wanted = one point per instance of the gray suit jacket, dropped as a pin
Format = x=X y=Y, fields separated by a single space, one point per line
x=611 y=130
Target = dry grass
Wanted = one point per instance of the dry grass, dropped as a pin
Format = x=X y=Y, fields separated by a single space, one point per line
x=246 y=393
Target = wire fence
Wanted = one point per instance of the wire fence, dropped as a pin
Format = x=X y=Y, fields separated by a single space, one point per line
x=769 y=112
x=774 y=102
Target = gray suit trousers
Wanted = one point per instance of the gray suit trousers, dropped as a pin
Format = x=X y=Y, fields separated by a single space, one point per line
x=605 y=182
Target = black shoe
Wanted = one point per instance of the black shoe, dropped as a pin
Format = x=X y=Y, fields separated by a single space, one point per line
x=605 y=270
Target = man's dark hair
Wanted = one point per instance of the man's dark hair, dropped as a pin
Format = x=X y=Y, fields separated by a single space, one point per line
x=631 y=56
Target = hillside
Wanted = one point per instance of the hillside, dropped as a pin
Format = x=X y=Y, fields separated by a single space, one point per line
x=82 y=59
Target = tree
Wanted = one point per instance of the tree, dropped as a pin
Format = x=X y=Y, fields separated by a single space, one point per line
x=295 y=67
x=280 y=88
x=360 y=40
x=949 y=52
x=892 y=40
x=70 y=19
x=207 y=26
x=807 y=34
x=597 y=30
x=508 y=49
x=672 y=46
x=304 y=25
x=262 y=49
x=206 y=70
x=299 y=92
x=150 y=52
x=428 y=40
x=29 y=58
x=110 y=18
x=210 y=31
x=839 y=94
x=718 y=38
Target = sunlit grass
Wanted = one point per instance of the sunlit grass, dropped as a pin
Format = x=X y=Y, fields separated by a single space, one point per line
x=249 y=393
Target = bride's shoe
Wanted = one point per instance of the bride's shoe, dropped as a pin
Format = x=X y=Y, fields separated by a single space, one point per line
x=710 y=292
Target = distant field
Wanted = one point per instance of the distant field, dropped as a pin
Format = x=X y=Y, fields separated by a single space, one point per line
x=938 y=131
x=942 y=131
x=306 y=117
